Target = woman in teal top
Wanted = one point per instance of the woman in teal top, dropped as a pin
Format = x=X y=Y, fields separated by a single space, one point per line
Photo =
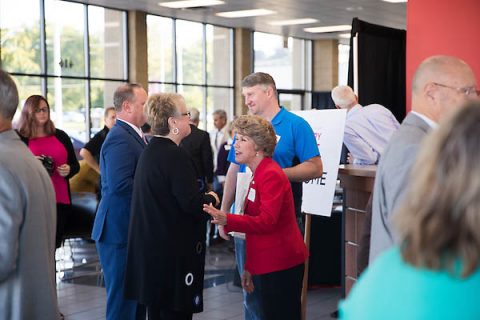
x=435 y=272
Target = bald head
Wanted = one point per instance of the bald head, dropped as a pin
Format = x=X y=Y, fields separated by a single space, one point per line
x=437 y=86
x=344 y=97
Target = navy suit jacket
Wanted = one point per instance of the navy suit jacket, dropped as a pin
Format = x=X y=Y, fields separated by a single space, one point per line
x=118 y=161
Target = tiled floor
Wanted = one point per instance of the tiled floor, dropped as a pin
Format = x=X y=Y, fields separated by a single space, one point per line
x=82 y=297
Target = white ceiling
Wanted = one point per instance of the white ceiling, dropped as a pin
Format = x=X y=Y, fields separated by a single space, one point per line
x=328 y=12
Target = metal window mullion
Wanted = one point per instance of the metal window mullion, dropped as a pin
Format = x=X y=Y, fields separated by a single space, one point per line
x=204 y=73
x=174 y=51
x=126 y=52
x=43 y=49
x=86 y=50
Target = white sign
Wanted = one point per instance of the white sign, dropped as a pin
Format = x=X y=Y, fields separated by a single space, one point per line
x=328 y=127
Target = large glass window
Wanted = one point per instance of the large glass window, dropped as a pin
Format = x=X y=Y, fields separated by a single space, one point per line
x=20 y=36
x=160 y=49
x=219 y=55
x=46 y=48
x=288 y=61
x=189 y=52
x=203 y=66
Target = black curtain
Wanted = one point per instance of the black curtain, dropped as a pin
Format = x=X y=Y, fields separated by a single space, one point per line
x=381 y=66
x=322 y=100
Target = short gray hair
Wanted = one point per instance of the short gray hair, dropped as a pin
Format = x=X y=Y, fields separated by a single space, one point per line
x=221 y=113
x=8 y=96
x=125 y=92
x=343 y=96
x=194 y=114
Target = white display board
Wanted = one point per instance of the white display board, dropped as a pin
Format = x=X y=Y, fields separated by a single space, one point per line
x=328 y=127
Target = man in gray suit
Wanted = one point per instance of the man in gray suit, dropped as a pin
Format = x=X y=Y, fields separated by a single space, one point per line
x=440 y=84
x=27 y=223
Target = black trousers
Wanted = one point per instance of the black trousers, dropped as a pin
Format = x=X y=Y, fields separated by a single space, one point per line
x=281 y=293
x=63 y=211
x=157 y=313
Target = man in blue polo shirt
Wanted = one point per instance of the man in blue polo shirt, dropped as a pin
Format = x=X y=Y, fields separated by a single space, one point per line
x=296 y=152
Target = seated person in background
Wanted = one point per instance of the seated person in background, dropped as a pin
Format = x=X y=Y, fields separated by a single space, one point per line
x=434 y=272
x=86 y=180
x=91 y=151
x=367 y=129
x=275 y=252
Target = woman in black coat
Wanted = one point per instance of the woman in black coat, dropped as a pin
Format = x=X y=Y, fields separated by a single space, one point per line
x=166 y=253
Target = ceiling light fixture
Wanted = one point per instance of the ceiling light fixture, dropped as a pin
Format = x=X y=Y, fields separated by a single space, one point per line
x=245 y=13
x=344 y=35
x=396 y=1
x=292 y=22
x=328 y=29
x=190 y=3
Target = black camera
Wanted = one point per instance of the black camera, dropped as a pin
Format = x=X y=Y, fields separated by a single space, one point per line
x=48 y=163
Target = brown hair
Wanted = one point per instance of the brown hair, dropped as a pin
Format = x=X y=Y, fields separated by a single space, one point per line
x=159 y=108
x=260 y=79
x=123 y=93
x=259 y=130
x=26 y=125
x=439 y=221
x=107 y=110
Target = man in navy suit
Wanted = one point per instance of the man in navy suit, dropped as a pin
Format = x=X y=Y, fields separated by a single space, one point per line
x=118 y=160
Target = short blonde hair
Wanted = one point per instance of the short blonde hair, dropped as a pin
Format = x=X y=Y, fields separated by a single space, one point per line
x=159 y=108
x=259 y=130
x=439 y=220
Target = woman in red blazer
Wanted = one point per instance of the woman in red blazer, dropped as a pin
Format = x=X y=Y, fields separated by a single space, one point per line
x=275 y=250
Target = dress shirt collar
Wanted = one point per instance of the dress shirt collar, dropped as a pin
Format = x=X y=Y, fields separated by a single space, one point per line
x=134 y=127
x=429 y=121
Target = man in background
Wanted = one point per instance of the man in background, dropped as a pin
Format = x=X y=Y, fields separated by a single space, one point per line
x=118 y=161
x=27 y=223
x=367 y=129
x=198 y=146
x=440 y=84
x=91 y=151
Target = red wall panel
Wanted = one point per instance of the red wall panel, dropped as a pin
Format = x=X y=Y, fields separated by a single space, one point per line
x=442 y=27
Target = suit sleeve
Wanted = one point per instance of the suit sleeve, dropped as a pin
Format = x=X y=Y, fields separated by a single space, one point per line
x=11 y=220
x=185 y=187
x=271 y=200
x=207 y=158
x=119 y=165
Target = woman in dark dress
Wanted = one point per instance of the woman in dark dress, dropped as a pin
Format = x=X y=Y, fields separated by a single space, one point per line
x=166 y=254
x=54 y=148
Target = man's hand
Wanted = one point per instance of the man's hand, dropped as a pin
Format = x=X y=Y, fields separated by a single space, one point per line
x=247 y=283
x=221 y=233
x=217 y=199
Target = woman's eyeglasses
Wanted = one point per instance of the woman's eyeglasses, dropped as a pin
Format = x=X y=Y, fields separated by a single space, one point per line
x=39 y=110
